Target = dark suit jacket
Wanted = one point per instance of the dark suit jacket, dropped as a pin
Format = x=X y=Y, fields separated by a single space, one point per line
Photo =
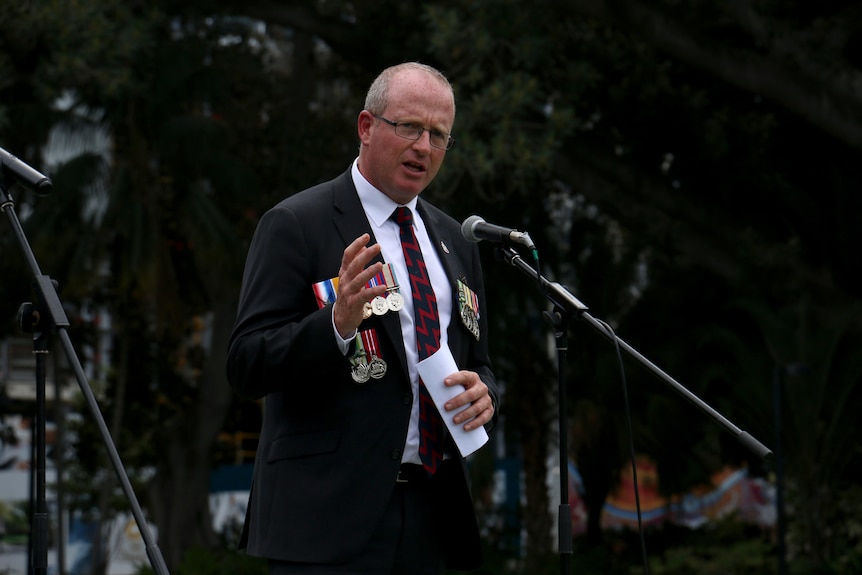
x=330 y=448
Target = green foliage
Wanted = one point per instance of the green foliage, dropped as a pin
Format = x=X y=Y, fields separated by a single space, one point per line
x=661 y=188
x=721 y=548
x=507 y=122
x=725 y=546
x=209 y=562
x=847 y=540
x=840 y=540
x=15 y=520
x=743 y=558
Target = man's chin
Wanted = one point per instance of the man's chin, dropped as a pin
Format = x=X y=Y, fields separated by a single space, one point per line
x=407 y=190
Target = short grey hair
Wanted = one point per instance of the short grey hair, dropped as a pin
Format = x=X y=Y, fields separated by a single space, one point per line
x=377 y=98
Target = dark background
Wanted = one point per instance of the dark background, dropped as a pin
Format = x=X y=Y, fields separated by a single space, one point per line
x=689 y=170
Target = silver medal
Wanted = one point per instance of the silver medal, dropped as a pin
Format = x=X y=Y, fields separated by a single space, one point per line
x=395 y=301
x=377 y=368
x=466 y=317
x=359 y=373
x=379 y=305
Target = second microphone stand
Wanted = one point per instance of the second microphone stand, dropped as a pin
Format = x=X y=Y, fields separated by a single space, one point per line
x=47 y=316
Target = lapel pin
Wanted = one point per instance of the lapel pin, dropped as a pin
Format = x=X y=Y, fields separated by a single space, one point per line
x=442 y=245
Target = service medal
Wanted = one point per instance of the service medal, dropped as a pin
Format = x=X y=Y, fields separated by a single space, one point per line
x=377 y=368
x=468 y=303
x=360 y=372
x=395 y=301
x=379 y=305
x=465 y=316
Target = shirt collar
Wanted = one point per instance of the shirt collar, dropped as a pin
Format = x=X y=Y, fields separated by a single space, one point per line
x=377 y=205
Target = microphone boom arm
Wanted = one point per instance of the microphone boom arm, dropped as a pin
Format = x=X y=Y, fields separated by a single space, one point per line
x=563 y=299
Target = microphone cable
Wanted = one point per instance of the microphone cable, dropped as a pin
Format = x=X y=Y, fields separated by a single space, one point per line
x=628 y=419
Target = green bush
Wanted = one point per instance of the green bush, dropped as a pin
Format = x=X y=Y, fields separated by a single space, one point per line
x=215 y=562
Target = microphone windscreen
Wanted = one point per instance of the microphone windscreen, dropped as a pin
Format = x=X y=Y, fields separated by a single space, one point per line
x=467 y=228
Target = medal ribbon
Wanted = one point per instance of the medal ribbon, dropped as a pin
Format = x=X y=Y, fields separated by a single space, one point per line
x=389 y=278
x=371 y=343
x=325 y=292
x=469 y=298
x=361 y=352
x=474 y=301
x=376 y=280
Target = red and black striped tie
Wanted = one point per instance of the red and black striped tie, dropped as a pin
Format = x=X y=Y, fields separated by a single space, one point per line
x=427 y=323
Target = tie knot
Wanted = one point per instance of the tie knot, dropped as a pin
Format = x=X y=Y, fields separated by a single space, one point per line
x=403 y=216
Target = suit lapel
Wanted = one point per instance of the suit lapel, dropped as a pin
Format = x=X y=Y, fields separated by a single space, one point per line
x=441 y=239
x=455 y=268
x=349 y=217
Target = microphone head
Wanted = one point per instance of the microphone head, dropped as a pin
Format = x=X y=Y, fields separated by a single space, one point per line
x=468 y=226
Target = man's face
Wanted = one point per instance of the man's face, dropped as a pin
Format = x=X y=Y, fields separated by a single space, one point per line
x=399 y=167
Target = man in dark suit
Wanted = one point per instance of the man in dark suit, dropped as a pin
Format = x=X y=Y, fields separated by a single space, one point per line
x=343 y=480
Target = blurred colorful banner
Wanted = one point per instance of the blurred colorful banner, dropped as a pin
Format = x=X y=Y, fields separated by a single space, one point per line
x=731 y=491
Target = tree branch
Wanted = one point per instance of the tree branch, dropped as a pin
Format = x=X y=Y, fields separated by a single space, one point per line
x=789 y=69
x=684 y=229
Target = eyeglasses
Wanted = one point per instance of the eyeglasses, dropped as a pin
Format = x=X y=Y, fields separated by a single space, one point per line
x=412 y=131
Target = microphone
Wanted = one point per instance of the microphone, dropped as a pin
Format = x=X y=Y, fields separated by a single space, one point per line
x=15 y=169
x=476 y=229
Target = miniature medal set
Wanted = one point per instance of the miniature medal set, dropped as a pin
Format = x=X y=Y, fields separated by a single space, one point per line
x=468 y=304
x=392 y=301
x=366 y=362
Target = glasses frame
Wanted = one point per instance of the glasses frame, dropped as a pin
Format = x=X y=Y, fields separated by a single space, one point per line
x=450 y=141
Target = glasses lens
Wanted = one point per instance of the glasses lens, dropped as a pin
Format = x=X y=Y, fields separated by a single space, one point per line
x=412 y=131
x=438 y=140
x=408 y=130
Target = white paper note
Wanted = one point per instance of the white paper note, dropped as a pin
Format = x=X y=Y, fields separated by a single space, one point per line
x=433 y=370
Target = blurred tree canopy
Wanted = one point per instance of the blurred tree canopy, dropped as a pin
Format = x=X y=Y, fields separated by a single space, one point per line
x=689 y=170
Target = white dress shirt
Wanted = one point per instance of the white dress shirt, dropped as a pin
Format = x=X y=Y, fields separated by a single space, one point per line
x=378 y=209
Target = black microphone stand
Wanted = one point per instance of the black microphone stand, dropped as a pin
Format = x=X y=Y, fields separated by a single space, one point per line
x=566 y=306
x=560 y=322
x=45 y=317
x=37 y=559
